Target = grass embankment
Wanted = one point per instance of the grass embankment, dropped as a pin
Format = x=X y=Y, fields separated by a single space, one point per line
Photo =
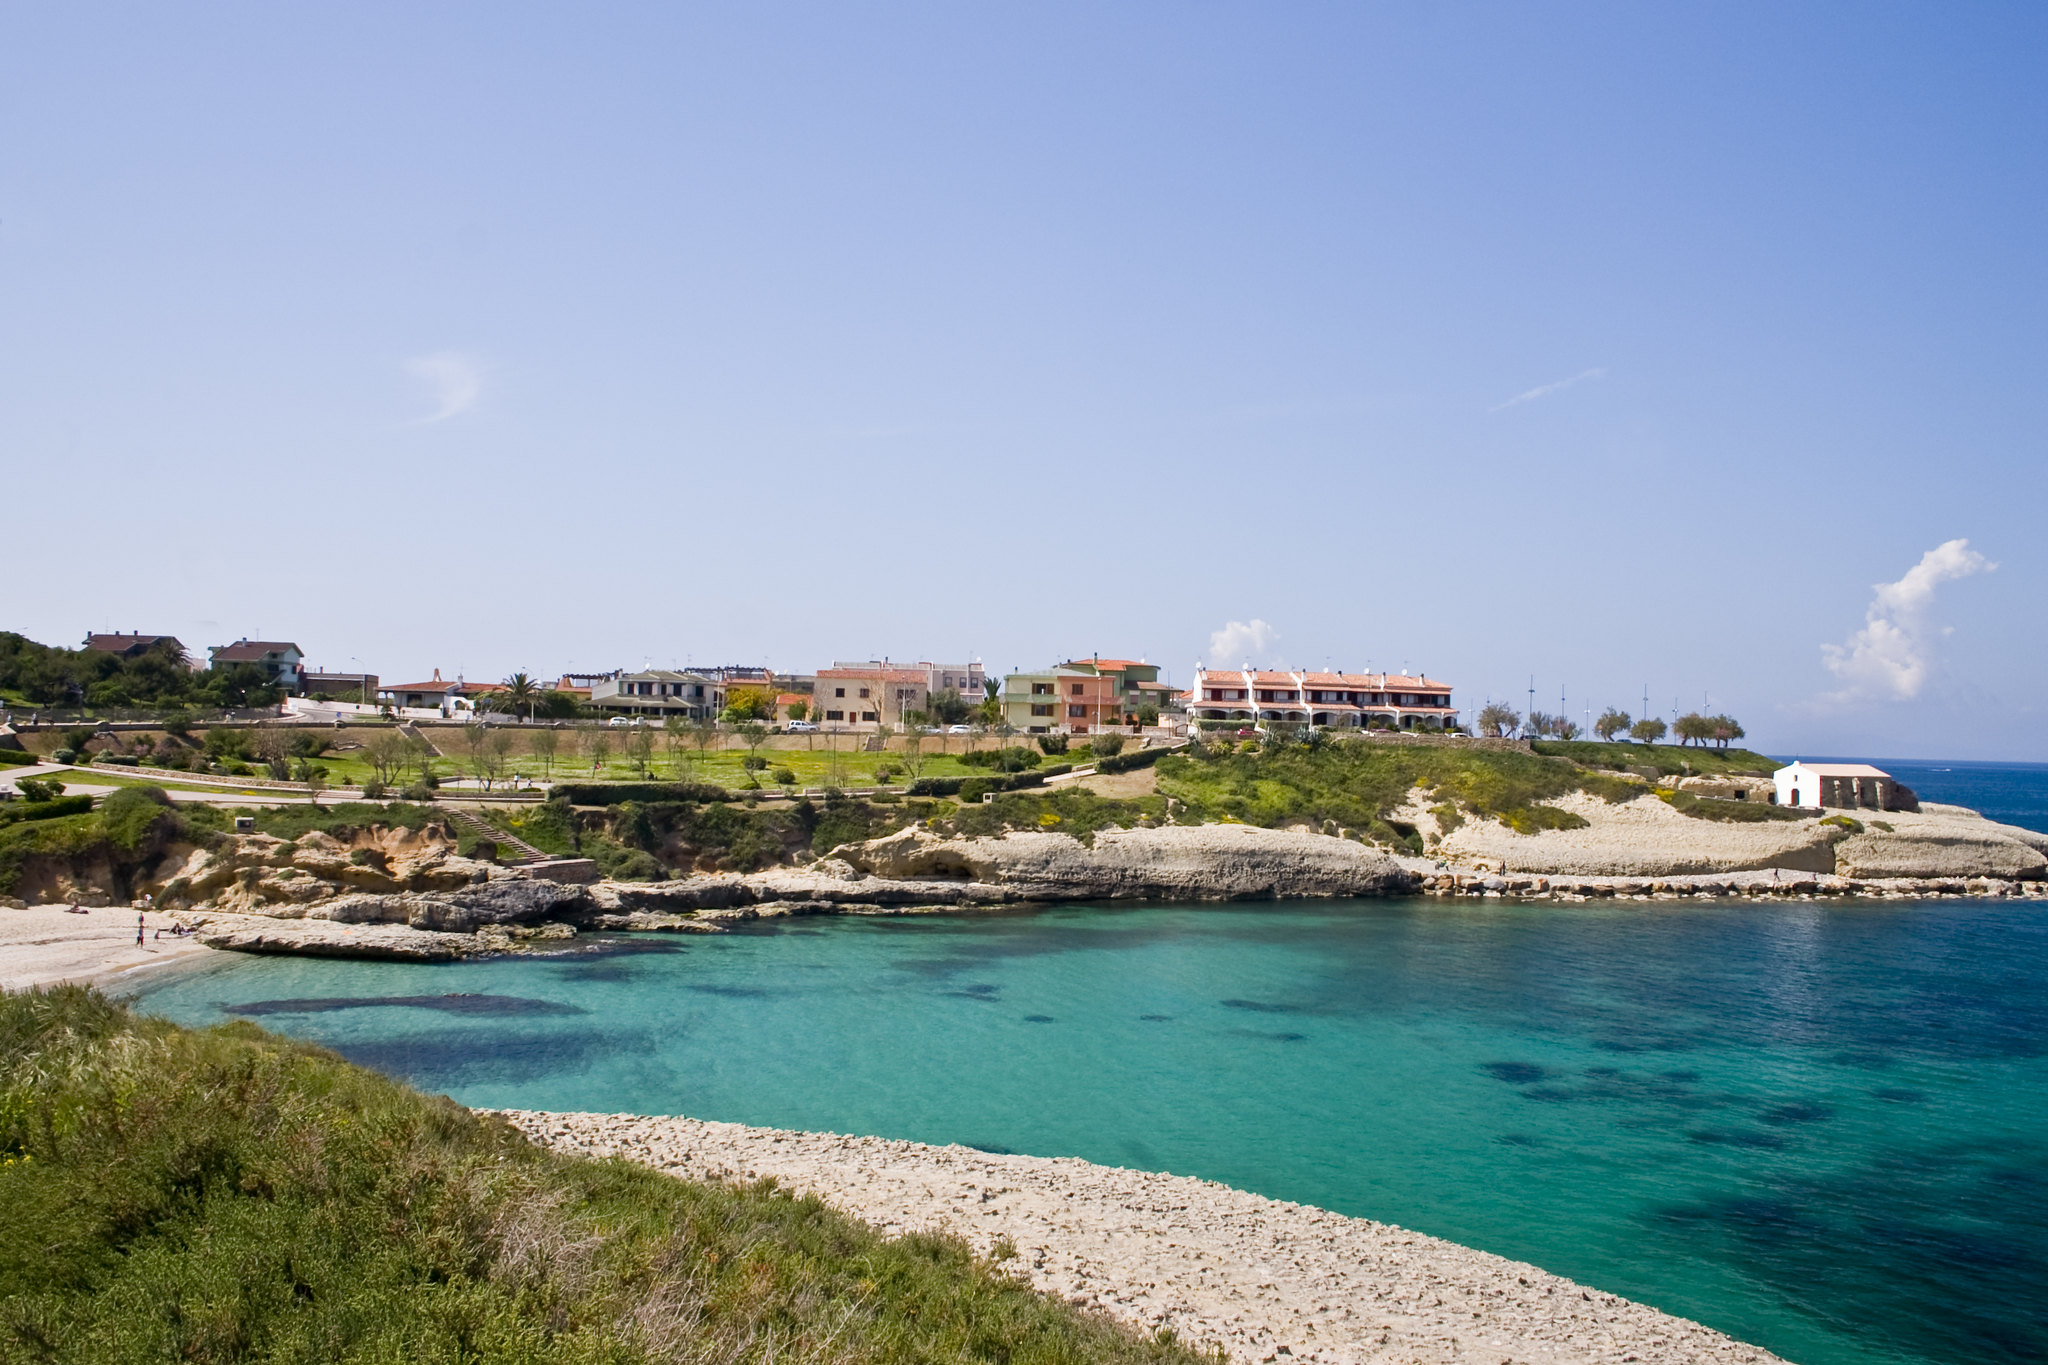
x=1670 y=760
x=233 y=1196
x=1363 y=786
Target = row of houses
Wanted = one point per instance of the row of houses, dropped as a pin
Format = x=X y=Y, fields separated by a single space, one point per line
x=1079 y=696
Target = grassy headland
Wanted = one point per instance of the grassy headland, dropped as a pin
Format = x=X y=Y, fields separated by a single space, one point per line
x=233 y=1196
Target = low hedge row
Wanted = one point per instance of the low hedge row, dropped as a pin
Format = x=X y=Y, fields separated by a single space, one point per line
x=972 y=788
x=15 y=759
x=1137 y=758
x=46 y=810
x=617 y=793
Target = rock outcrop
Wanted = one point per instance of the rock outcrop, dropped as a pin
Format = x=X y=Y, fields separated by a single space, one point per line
x=1648 y=838
x=1199 y=862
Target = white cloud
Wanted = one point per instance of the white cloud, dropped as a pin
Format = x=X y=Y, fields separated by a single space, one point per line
x=1890 y=656
x=1239 y=641
x=456 y=380
x=1545 y=390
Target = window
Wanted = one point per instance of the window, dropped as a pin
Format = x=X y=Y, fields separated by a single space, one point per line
x=1077 y=689
x=867 y=715
x=835 y=715
x=838 y=691
x=1077 y=712
x=1041 y=710
x=863 y=693
x=1041 y=689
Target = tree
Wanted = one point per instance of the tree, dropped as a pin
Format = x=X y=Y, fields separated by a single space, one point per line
x=640 y=747
x=386 y=752
x=1648 y=730
x=1564 y=727
x=501 y=751
x=749 y=703
x=798 y=710
x=521 y=694
x=546 y=742
x=597 y=744
x=913 y=746
x=1725 y=728
x=477 y=737
x=705 y=731
x=675 y=733
x=1540 y=724
x=270 y=747
x=1610 y=724
x=948 y=707
x=1693 y=728
x=1499 y=721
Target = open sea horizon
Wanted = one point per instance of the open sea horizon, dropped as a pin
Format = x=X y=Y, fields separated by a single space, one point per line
x=1818 y=1126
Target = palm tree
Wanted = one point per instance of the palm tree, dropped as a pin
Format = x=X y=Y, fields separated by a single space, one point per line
x=521 y=690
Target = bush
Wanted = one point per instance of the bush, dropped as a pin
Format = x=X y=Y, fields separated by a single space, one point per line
x=65 y=756
x=1014 y=759
x=120 y=760
x=784 y=777
x=754 y=763
x=375 y=790
x=1052 y=744
x=14 y=758
x=39 y=788
x=418 y=791
x=1106 y=746
x=1123 y=763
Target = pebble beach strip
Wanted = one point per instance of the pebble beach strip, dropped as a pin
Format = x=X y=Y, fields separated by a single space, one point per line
x=1261 y=1279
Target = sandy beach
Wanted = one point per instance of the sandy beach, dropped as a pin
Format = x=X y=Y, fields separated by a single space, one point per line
x=1262 y=1279
x=45 y=945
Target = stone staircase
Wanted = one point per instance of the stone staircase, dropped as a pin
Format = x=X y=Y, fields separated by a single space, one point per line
x=498 y=836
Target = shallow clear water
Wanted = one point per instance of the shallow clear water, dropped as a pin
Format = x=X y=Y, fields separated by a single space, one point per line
x=2011 y=793
x=1820 y=1128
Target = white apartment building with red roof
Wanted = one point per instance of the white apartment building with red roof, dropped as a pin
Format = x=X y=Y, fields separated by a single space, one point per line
x=1383 y=701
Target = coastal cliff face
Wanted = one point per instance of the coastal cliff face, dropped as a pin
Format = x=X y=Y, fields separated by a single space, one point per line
x=1203 y=862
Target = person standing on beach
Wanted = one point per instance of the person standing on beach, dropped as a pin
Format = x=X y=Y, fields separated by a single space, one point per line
x=140 y=920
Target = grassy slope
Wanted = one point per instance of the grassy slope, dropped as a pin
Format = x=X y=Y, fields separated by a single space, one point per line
x=232 y=1196
x=1360 y=784
x=1668 y=759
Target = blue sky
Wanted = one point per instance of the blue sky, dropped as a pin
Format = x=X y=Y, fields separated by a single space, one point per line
x=1622 y=346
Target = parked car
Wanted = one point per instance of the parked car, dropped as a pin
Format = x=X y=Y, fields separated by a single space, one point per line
x=800 y=727
x=959 y=729
x=627 y=720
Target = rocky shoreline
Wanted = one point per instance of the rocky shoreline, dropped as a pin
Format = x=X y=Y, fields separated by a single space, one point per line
x=1259 y=1279
x=406 y=894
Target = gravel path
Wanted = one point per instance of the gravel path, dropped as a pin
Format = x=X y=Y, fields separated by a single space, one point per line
x=1265 y=1280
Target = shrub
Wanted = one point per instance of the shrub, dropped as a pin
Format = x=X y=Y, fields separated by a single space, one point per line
x=375 y=790
x=418 y=791
x=1106 y=746
x=65 y=756
x=1848 y=822
x=1052 y=744
x=119 y=760
x=14 y=758
x=754 y=763
x=1123 y=763
x=39 y=788
x=1014 y=759
x=784 y=777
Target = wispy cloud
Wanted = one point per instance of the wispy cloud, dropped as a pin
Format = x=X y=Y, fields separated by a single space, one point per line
x=1889 y=658
x=455 y=379
x=1239 y=641
x=1545 y=390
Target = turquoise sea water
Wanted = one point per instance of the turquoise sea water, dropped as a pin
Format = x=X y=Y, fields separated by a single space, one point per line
x=1822 y=1128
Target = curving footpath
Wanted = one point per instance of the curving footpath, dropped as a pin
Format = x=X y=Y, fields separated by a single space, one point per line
x=1261 y=1279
